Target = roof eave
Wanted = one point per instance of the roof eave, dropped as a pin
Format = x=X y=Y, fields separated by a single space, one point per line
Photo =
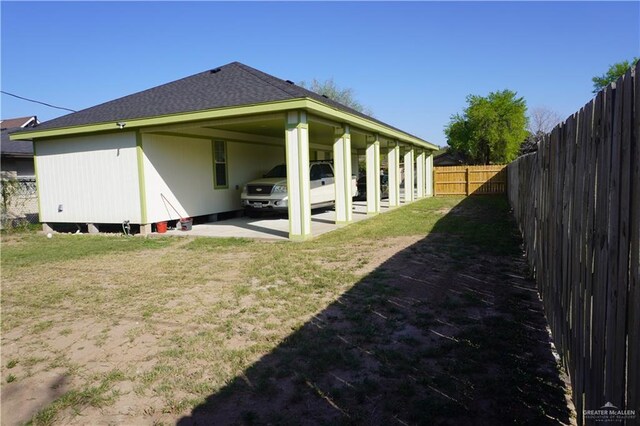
x=366 y=124
x=308 y=104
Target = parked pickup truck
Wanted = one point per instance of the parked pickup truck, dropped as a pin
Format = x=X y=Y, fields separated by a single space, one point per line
x=270 y=192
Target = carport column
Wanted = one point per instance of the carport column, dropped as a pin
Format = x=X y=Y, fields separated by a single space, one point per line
x=298 y=185
x=393 y=159
x=420 y=173
x=429 y=175
x=145 y=227
x=342 y=170
x=373 y=176
x=408 y=175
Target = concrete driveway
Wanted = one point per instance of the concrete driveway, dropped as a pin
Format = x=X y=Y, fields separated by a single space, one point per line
x=273 y=227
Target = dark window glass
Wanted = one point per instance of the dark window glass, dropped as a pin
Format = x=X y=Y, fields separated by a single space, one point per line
x=277 y=172
x=316 y=173
x=220 y=166
x=327 y=172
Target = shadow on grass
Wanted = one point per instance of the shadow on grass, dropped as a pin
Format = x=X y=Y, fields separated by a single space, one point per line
x=447 y=331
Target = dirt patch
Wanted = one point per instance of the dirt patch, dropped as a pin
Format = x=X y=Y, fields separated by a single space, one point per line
x=22 y=399
x=424 y=336
x=392 y=329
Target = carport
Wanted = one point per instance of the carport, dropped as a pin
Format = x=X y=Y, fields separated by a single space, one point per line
x=168 y=130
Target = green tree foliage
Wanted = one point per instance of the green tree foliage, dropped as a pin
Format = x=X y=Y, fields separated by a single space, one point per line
x=331 y=90
x=614 y=72
x=491 y=129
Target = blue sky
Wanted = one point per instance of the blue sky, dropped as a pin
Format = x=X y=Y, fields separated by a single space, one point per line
x=412 y=63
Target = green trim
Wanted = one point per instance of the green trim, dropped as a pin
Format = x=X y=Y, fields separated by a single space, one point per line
x=303 y=193
x=300 y=238
x=180 y=135
x=226 y=164
x=234 y=140
x=141 y=182
x=168 y=119
x=376 y=165
x=307 y=104
x=287 y=160
x=35 y=172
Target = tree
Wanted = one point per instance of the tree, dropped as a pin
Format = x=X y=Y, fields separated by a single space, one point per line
x=614 y=72
x=543 y=119
x=491 y=129
x=345 y=96
x=531 y=143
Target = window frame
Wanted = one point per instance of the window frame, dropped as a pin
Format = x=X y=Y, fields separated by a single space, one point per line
x=215 y=164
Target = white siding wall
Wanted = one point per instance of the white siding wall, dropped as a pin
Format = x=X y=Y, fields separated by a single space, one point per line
x=178 y=174
x=94 y=178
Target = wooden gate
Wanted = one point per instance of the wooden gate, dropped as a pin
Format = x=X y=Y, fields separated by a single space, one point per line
x=469 y=180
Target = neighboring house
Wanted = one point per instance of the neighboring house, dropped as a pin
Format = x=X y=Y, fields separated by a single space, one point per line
x=16 y=164
x=186 y=149
x=16 y=156
x=446 y=157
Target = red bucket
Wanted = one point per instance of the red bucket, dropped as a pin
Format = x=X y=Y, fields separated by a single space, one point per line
x=161 y=227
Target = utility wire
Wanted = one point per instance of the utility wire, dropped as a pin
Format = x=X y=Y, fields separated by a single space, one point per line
x=37 y=102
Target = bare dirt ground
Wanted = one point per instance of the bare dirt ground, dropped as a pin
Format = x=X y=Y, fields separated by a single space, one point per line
x=422 y=339
x=367 y=326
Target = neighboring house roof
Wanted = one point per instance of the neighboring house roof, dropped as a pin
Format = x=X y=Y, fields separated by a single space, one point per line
x=230 y=85
x=16 y=148
x=445 y=157
x=10 y=123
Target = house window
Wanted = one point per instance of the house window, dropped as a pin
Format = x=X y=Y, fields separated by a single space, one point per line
x=220 y=164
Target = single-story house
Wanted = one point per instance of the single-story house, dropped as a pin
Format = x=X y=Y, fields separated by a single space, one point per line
x=186 y=149
x=16 y=164
x=16 y=156
x=447 y=157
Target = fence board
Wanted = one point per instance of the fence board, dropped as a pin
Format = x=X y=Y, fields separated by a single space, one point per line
x=633 y=318
x=577 y=204
x=470 y=180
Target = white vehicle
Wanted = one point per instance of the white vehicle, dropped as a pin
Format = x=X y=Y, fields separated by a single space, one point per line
x=270 y=192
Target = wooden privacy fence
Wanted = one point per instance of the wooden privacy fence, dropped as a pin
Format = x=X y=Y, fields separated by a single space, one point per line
x=467 y=180
x=577 y=202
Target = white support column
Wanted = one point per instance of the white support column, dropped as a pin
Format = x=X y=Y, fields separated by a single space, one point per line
x=420 y=163
x=373 y=176
x=342 y=170
x=298 y=185
x=408 y=175
x=394 y=175
x=429 y=175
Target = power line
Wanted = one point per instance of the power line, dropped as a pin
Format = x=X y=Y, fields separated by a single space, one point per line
x=37 y=102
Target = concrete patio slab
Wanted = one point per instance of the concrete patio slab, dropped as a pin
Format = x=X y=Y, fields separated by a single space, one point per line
x=273 y=227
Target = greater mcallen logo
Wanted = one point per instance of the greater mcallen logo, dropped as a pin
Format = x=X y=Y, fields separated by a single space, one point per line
x=608 y=413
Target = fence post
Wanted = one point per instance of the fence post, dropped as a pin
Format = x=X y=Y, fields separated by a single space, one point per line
x=433 y=181
x=467 y=180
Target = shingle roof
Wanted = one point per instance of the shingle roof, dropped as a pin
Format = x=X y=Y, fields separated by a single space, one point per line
x=15 y=148
x=16 y=122
x=230 y=85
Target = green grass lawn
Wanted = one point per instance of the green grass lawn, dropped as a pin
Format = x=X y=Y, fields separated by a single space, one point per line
x=350 y=324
